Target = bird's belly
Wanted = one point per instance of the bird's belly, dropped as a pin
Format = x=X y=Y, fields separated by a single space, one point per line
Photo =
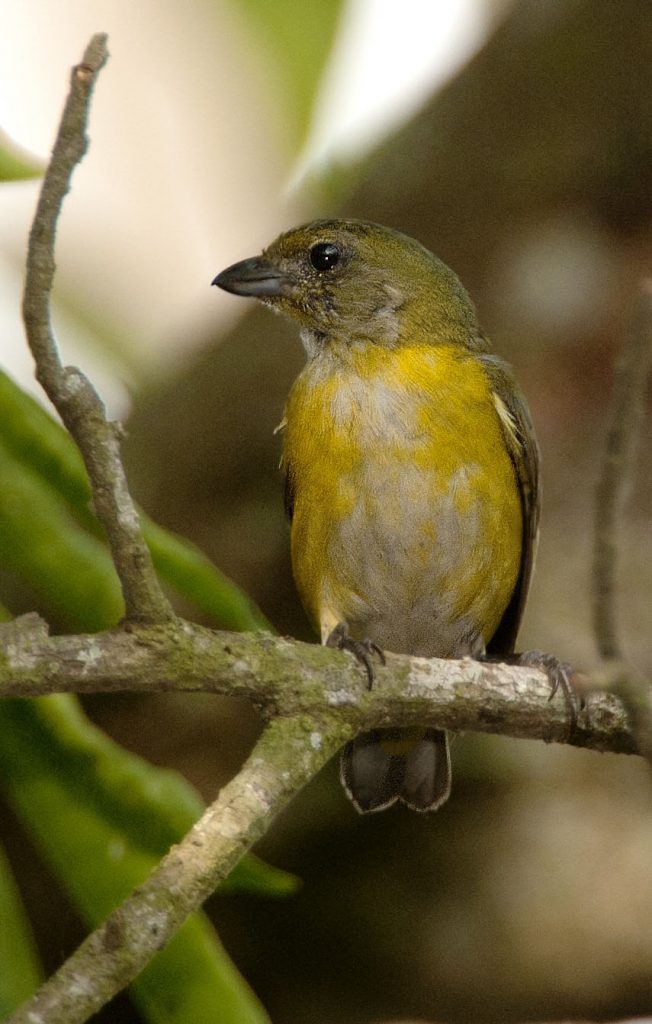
x=417 y=560
x=407 y=516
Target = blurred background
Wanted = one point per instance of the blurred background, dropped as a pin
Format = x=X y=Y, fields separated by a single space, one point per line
x=514 y=139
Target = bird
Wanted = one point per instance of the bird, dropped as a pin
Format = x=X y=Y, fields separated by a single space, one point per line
x=411 y=473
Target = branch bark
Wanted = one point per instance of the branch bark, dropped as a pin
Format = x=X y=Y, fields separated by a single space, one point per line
x=285 y=677
x=68 y=389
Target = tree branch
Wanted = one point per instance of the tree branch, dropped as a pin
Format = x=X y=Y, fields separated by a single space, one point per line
x=289 y=753
x=625 y=417
x=283 y=676
x=317 y=699
x=69 y=390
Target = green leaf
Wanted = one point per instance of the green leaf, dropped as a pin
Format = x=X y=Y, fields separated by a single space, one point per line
x=20 y=973
x=16 y=164
x=256 y=877
x=69 y=569
x=299 y=38
x=184 y=567
x=35 y=438
x=45 y=448
x=193 y=979
x=153 y=806
x=100 y=851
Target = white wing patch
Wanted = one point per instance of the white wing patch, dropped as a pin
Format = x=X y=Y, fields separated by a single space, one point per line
x=508 y=423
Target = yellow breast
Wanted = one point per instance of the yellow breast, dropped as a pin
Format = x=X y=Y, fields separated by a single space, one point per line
x=407 y=516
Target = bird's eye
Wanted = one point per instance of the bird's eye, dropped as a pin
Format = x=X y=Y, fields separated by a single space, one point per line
x=324 y=255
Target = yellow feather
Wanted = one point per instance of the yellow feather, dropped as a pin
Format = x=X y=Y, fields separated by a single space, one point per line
x=410 y=437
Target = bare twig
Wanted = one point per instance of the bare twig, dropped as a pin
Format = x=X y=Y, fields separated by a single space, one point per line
x=69 y=390
x=285 y=676
x=288 y=754
x=626 y=413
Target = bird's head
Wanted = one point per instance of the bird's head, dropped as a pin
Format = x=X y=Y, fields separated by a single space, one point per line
x=356 y=281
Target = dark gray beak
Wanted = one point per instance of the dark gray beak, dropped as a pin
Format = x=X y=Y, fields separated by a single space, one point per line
x=255 y=276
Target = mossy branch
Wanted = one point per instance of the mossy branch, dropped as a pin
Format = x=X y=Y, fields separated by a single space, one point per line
x=314 y=700
x=286 y=677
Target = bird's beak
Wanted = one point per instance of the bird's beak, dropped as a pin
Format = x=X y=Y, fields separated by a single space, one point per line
x=255 y=276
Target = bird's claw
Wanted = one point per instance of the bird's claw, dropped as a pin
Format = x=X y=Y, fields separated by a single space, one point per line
x=360 y=649
x=560 y=674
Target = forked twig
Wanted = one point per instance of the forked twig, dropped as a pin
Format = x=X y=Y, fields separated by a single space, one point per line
x=282 y=761
x=68 y=389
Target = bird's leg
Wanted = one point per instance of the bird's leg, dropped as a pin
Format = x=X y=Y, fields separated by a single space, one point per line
x=360 y=649
x=560 y=674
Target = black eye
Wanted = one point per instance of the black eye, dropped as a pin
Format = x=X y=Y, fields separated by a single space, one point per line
x=324 y=255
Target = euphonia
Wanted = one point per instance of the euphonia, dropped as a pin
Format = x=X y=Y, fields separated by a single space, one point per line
x=411 y=472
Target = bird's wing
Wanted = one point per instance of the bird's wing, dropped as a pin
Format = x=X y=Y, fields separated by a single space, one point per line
x=521 y=444
x=288 y=490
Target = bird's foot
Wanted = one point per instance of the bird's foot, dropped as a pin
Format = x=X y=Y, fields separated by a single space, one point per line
x=562 y=677
x=361 y=649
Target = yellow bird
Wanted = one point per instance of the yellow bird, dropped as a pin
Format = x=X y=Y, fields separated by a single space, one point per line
x=411 y=472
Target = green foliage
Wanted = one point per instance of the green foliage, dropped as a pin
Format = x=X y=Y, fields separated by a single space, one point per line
x=15 y=164
x=21 y=973
x=68 y=569
x=299 y=38
x=185 y=568
x=44 y=480
x=101 y=816
x=151 y=808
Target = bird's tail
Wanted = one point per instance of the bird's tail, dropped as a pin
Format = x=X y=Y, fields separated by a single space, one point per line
x=411 y=765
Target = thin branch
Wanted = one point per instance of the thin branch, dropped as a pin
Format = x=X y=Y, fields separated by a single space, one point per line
x=625 y=418
x=69 y=390
x=289 y=753
x=282 y=676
